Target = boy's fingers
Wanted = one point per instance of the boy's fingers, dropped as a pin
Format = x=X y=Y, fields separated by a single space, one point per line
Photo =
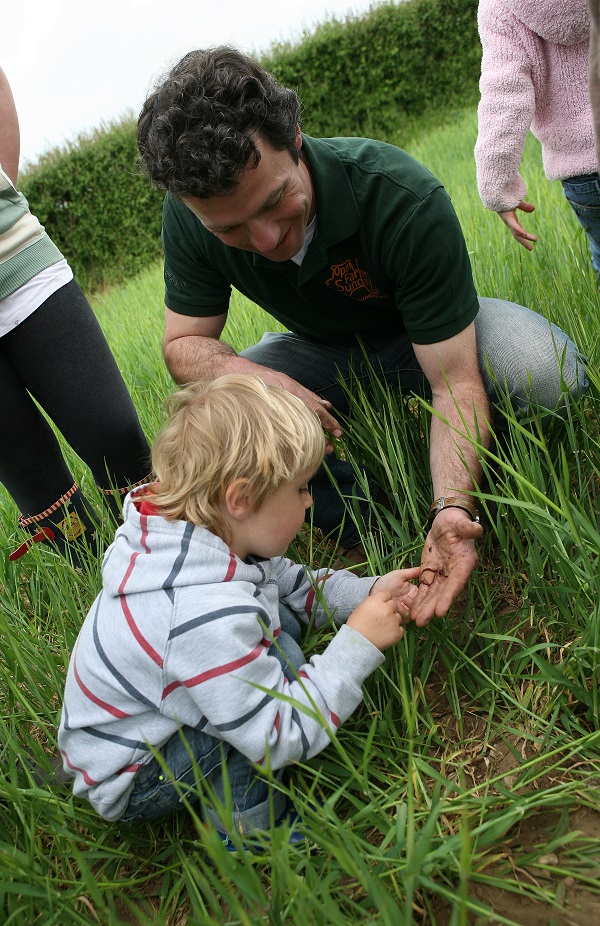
x=413 y=572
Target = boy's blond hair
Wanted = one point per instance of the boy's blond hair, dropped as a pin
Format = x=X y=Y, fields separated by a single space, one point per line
x=236 y=426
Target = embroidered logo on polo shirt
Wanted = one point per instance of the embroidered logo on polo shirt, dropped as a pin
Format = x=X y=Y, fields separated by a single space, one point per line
x=180 y=284
x=348 y=278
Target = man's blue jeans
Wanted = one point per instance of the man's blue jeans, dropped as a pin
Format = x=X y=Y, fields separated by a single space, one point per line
x=583 y=195
x=192 y=754
x=519 y=352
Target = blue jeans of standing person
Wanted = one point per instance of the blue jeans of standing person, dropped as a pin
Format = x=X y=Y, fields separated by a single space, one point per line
x=191 y=753
x=583 y=195
x=520 y=353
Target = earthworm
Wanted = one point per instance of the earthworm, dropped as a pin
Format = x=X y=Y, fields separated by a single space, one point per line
x=436 y=572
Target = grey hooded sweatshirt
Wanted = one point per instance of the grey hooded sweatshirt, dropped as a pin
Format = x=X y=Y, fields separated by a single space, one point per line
x=182 y=633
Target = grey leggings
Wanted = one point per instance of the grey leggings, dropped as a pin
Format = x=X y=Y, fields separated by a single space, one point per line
x=60 y=357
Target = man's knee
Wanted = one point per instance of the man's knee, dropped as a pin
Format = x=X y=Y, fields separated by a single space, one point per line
x=525 y=357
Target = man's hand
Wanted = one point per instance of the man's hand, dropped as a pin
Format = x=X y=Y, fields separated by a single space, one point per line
x=459 y=398
x=314 y=401
x=514 y=226
x=192 y=349
x=399 y=583
x=449 y=557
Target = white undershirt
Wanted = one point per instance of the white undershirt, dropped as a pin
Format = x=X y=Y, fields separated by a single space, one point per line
x=19 y=305
x=308 y=237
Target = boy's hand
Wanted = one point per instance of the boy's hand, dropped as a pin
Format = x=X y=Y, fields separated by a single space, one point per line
x=399 y=584
x=378 y=619
x=514 y=226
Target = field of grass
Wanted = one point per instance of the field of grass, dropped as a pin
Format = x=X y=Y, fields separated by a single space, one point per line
x=466 y=788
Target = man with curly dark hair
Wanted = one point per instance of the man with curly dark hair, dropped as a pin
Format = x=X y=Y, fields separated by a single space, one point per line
x=356 y=249
x=197 y=132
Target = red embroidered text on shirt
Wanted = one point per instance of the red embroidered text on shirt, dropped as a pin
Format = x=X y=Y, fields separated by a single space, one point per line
x=348 y=278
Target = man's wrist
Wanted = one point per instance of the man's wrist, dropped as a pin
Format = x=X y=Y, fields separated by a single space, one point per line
x=453 y=501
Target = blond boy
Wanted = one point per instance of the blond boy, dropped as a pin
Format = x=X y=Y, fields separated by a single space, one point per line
x=194 y=634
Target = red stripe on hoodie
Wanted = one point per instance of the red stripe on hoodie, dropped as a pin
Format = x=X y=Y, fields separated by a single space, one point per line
x=310 y=598
x=110 y=708
x=75 y=768
x=231 y=568
x=144 y=536
x=309 y=602
x=214 y=673
x=146 y=646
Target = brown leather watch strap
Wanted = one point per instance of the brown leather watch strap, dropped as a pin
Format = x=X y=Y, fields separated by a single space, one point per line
x=451 y=501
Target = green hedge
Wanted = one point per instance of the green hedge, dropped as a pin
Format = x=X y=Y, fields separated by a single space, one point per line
x=99 y=209
x=363 y=75
x=360 y=76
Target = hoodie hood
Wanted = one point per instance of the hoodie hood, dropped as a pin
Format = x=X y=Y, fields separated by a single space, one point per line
x=127 y=567
x=565 y=22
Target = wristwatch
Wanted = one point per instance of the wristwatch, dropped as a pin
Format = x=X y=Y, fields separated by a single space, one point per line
x=449 y=501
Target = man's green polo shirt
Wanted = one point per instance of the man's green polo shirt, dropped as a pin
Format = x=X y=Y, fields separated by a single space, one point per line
x=388 y=254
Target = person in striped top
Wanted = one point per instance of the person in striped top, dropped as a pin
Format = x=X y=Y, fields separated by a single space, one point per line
x=188 y=670
x=54 y=358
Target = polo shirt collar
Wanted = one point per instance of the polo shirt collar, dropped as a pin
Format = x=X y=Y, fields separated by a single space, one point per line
x=337 y=211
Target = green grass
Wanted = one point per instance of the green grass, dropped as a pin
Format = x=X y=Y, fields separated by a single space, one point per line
x=469 y=778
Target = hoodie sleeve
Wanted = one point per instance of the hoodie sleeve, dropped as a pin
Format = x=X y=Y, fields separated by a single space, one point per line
x=220 y=673
x=321 y=594
x=506 y=107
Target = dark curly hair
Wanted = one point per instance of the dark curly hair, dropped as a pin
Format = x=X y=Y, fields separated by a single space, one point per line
x=197 y=130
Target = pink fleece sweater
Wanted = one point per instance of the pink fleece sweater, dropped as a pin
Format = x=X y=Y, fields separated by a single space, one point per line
x=534 y=75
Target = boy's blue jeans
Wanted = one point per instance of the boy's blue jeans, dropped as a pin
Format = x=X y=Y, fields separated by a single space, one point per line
x=583 y=195
x=190 y=753
x=520 y=353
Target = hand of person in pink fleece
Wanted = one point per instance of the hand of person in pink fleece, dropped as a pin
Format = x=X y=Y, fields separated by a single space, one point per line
x=514 y=226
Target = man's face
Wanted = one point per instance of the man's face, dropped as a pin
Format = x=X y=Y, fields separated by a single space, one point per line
x=268 y=211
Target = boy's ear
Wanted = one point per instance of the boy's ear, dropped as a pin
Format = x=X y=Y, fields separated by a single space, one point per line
x=237 y=499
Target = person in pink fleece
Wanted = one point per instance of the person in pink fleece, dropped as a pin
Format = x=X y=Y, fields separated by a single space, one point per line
x=594 y=73
x=534 y=75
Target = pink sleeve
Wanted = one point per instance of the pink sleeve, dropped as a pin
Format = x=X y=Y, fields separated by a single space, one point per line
x=506 y=107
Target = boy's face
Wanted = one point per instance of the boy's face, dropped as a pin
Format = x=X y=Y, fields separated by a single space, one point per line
x=269 y=531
